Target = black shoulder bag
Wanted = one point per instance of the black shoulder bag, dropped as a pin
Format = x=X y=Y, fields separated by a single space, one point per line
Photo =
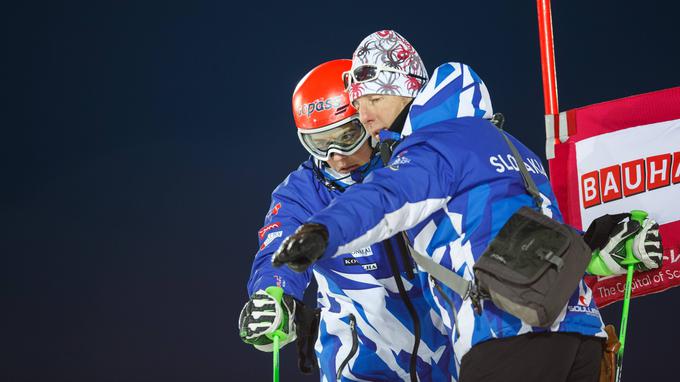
x=530 y=269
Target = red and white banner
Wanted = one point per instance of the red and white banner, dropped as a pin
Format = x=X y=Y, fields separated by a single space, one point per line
x=615 y=157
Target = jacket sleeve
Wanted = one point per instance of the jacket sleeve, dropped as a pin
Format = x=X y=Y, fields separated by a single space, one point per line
x=284 y=216
x=418 y=181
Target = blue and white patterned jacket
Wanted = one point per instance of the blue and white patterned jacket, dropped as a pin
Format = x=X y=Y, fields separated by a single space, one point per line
x=451 y=185
x=366 y=332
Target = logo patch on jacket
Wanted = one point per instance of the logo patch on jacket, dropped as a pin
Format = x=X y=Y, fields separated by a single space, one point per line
x=350 y=261
x=266 y=228
x=353 y=261
x=363 y=252
x=398 y=161
x=274 y=210
x=270 y=238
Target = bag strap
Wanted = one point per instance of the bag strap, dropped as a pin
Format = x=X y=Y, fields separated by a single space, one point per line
x=451 y=279
x=465 y=288
x=528 y=182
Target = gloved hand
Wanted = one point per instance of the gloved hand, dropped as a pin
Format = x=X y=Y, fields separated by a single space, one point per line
x=498 y=120
x=646 y=246
x=263 y=315
x=302 y=248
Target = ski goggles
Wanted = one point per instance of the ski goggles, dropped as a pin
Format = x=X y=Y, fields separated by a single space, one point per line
x=369 y=72
x=344 y=138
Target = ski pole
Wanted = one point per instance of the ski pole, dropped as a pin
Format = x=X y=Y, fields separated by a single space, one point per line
x=630 y=262
x=278 y=334
x=276 y=358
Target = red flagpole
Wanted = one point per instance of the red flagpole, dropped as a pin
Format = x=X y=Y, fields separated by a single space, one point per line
x=547 y=57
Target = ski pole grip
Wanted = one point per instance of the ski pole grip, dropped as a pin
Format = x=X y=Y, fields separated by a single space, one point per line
x=278 y=334
x=277 y=294
x=598 y=267
x=639 y=216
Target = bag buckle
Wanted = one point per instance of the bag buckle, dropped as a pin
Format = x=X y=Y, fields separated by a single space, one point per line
x=550 y=257
x=476 y=297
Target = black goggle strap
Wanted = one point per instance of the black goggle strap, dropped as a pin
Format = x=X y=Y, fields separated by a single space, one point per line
x=350 y=77
x=331 y=184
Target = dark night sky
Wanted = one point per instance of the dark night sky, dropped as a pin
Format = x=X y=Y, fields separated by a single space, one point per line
x=141 y=141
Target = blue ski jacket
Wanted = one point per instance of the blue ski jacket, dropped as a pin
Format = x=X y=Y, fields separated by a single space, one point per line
x=365 y=331
x=452 y=184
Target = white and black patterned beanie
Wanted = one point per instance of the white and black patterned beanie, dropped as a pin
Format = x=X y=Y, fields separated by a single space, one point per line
x=389 y=48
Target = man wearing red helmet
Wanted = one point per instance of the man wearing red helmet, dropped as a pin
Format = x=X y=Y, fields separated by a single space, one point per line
x=374 y=320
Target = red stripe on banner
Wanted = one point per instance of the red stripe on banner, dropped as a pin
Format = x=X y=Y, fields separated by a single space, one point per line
x=558 y=180
x=564 y=181
x=637 y=110
x=607 y=290
x=572 y=188
x=571 y=121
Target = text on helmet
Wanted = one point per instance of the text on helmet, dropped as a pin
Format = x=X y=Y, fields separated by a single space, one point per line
x=319 y=105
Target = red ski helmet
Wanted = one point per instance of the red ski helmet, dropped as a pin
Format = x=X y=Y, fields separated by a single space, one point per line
x=325 y=119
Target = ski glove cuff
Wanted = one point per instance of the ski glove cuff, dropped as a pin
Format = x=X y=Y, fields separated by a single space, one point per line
x=262 y=315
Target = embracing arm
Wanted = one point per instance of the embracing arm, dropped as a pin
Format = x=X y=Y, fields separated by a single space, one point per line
x=418 y=181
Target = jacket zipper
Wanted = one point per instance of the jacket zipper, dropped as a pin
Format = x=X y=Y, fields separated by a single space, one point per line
x=407 y=301
x=405 y=255
x=355 y=346
x=449 y=302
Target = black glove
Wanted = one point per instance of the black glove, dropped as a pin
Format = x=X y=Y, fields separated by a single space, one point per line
x=609 y=233
x=303 y=248
x=498 y=120
x=598 y=234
